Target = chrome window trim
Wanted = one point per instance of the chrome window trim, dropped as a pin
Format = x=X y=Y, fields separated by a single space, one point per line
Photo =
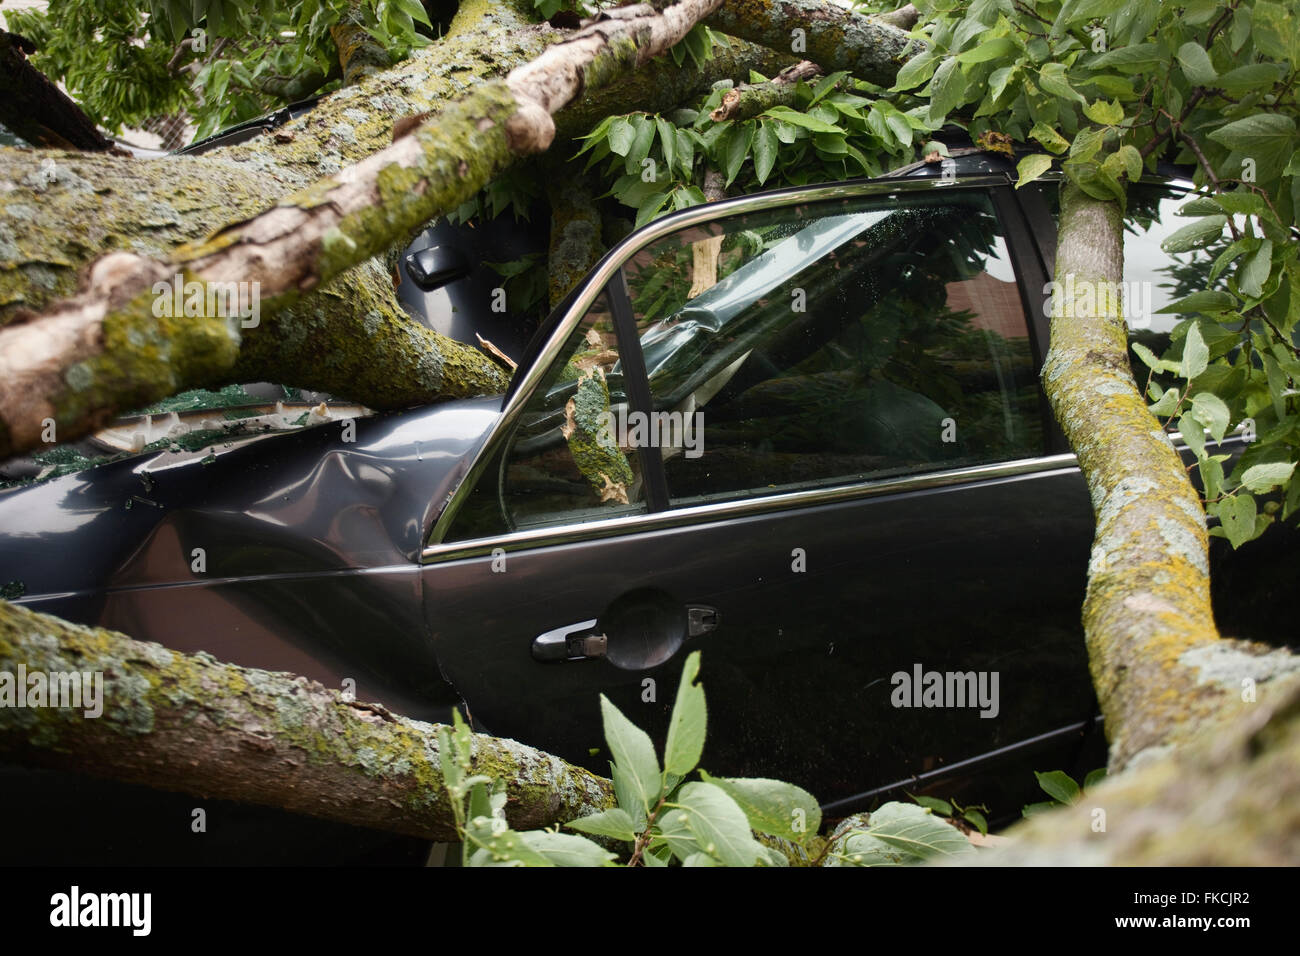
x=596 y=282
x=742 y=507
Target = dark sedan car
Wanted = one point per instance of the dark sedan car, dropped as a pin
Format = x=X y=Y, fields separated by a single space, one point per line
x=801 y=431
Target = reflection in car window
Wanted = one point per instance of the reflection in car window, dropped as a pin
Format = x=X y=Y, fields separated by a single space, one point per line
x=562 y=463
x=832 y=342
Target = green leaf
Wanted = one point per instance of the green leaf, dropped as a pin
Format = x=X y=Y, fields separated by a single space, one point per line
x=1262 y=478
x=916 y=71
x=1265 y=137
x=658 y=856
x=1058 y=785
x=1085 y=145
x=1107 y=114
x=1050 y=138
x=833 y=144
x=699 y=859
x=627 y=791
x=774 y=807
x=988 y=50
x=651 y=206
x=735 y=149
x=613 y=822
x=976 y=819
x=903 y=833
x=1196 y=354
x=947 y=89
x=1052 y=79
x=1166 y=405
x=1132 y=161
x=998 y=81
x=1206 y=301
x=1246 y=203
x=1255 y=270
x=676 y=834
x=566 y=849
x=667 y=141
x=621 y=136
x=772 y=857
x=1129 y=58
x=934 y=805
x=718 y=824
x=1252 y=76
x=686 y=728
x=1193 y=435
x=506 y=848
x=1275 y=32
x=1094 y=777
x=415 y=10
x=685 y=152
x=1196 y=234
x=1031 y=167
x=803 y=120
x=1150 y=361
x=825 y=85
x=633 y=753
x=1237 y=518
x=1196 y=64
x=1210 y=411
x=643 y=138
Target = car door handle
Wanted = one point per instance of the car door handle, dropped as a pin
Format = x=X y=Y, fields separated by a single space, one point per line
x=573 y=642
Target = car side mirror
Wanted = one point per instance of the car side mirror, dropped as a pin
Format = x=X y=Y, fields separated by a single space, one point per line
x=435 y=266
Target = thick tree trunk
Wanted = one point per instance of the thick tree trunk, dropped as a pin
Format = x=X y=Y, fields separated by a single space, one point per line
x=1159 y=666
x=1225 y=798
x=189 y=723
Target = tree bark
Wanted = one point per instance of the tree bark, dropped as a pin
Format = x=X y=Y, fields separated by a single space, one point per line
x=831 y=36
x=75 y=363
x=1224 y=798
x=189 y=723
x=1159 y=666
x=750 y=99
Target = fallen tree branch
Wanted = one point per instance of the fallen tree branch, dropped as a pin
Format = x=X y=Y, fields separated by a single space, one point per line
x=1159 y=666
x=69 y=364
x=185 y=722
x=834 y=38
x=749 y=99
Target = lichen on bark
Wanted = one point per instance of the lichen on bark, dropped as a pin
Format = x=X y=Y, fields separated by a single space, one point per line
x=1147 y=610
x=190 y=723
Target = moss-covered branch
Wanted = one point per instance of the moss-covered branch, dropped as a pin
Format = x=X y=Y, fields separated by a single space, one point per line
x=189 y=723
x=575 y=244
x=1228 y=797
x=108 y=348
x=749 y=99
x=831 y=36
x=1159 y=666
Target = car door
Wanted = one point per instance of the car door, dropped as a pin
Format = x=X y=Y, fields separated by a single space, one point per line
x=802 y=433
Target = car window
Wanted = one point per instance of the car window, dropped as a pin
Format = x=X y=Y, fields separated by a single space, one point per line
x=832 y=342
x=561 y=464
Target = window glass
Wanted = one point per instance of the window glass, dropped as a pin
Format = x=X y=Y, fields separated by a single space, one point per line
x=561 y=464
x=832 y=342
